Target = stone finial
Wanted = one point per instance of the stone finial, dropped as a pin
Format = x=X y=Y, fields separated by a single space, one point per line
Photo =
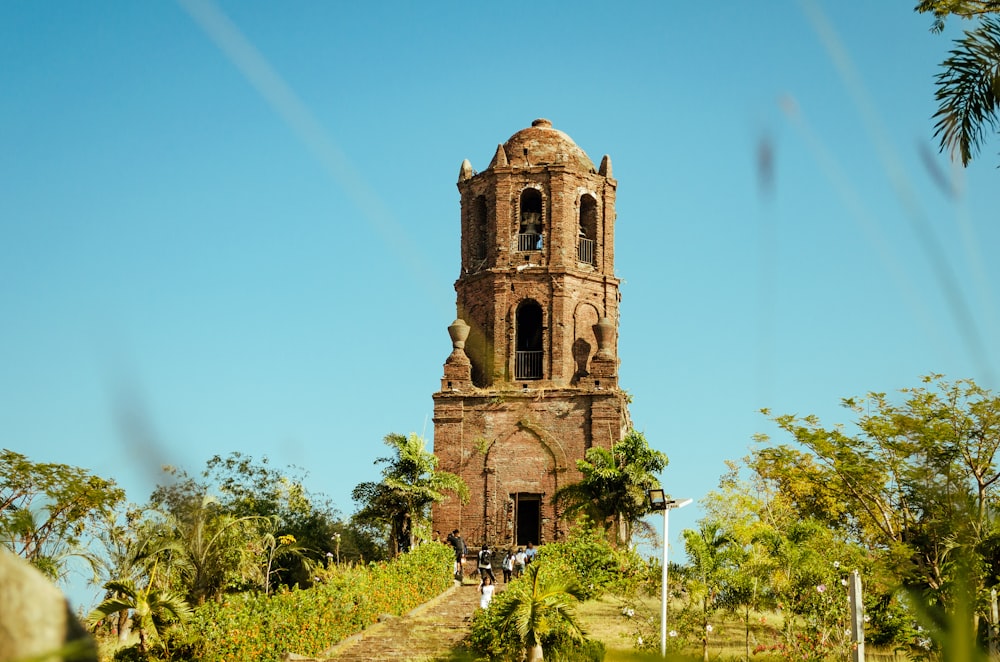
x=459 y=332
x=605 y=166
x=465 y=172
x=605 y=332
x=499 y=159
x=458 y=367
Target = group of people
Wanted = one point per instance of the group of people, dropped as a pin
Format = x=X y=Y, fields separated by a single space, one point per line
x=513 y=564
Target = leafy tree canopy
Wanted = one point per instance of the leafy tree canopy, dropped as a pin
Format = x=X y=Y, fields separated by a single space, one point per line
x=613 y=490
x=49 y=511
x=251 y=504
x=915 y=481
x=941 y=9
x=400 y=503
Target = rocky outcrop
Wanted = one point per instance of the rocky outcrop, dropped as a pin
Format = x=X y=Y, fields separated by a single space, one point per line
x=35 y=618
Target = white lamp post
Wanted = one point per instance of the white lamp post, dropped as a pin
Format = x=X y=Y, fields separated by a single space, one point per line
x=658 y=501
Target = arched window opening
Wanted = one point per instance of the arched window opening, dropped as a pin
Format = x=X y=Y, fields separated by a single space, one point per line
x=587 y=239
x=478 y=243
x=528 y=342
x=529 y=233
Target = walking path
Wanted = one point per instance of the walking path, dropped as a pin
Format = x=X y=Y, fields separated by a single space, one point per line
x=430 y=632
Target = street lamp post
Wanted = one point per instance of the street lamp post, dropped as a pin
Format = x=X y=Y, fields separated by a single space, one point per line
x=658 y=501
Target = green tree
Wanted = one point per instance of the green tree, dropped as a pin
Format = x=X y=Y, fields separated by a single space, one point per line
x=747 y=512
x=707 y=550
x=916 y=480
x=941 y=9
x=748 y=588
x=50 y=512
x=247 y=487
x=216 y=548
x=540 y=601
x=231 y=518
x=410 y=483
x=613 y=490
x=152 y=610
x=273 y=549
x=132 y=547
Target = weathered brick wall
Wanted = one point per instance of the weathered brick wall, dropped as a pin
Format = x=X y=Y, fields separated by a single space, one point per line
x=506 y=443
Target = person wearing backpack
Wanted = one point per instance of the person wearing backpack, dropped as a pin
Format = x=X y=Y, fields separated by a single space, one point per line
x=519 y=562
x=455 y=540
x=508 y=565
x=486 y=563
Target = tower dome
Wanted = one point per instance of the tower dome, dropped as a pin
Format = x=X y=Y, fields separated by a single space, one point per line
x=540 y=144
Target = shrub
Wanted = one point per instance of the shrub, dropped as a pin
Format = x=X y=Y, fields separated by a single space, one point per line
x=344 y=600
x=599 y=566
x=555 y=590
x=489 y=638
x=491 y=641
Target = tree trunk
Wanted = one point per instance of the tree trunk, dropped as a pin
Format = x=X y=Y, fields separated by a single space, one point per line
x=123 y=626
x=267 y=574
x=746 y=641
x=534 y=653
x=704 y=628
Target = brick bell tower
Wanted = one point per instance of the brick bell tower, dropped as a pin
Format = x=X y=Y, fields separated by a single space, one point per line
x=532 y=379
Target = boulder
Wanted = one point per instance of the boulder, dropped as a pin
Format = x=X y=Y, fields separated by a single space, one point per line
x=35 y=619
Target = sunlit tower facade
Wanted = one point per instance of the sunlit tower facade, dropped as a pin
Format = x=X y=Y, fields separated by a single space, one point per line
x=532 y=379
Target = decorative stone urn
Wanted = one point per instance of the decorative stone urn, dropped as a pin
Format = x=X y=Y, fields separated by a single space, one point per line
x=605 y=332
x=459 y=332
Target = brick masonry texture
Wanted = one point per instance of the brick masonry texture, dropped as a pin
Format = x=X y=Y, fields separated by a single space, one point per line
x=515 y=433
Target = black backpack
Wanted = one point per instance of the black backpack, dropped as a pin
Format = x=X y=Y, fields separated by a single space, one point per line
x=485 y=557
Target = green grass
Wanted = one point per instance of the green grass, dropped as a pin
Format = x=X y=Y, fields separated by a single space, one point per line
x=604 y=621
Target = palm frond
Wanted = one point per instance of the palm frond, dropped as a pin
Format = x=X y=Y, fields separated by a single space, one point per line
x=968 y=91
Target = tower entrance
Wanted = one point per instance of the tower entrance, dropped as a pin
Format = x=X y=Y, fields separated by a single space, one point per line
x=527 y=518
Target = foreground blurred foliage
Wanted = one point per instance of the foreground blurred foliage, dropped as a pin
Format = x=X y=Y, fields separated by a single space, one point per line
x=968 y=87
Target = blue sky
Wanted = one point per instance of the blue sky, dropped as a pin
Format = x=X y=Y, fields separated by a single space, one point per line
x=236 y=225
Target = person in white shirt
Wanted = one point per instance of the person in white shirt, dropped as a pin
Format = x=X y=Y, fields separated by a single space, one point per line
x=486 y=589
x=520 y=559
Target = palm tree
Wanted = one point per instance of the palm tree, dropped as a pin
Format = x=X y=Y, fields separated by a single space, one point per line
x=132 y=549
x=275 y=547
x=613 y=491
x=706 y=548
x=410 y=483
x=152 y=609
x=538 y=603
x=212 y=547
x=968 y=91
